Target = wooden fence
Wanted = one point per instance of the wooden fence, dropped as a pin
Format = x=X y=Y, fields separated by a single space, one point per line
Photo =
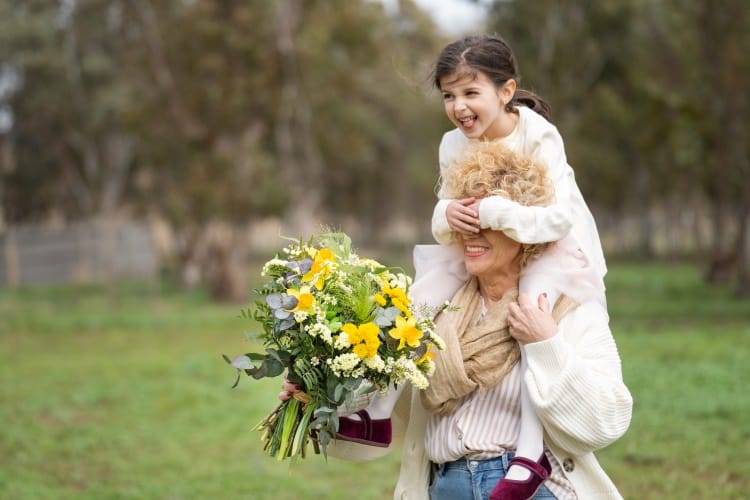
x=92 y=251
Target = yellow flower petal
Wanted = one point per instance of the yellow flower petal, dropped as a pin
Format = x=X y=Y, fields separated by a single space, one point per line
x=406 y=332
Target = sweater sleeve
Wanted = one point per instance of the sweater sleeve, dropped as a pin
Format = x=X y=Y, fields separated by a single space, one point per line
x=525 y=224
x=574 y=381
x=441 y=231
x=536 y=224
x=448 y=151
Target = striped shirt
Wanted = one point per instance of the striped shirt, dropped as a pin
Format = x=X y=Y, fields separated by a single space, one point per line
x=485 y=425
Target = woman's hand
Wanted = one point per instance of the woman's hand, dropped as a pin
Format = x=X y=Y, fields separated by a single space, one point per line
x=531 y=322
x=288 y=389
x=463 y=216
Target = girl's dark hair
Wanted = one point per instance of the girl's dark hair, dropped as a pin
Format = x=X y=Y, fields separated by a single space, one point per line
x=493 y=57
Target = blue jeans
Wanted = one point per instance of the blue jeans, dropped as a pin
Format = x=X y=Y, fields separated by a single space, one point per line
x=472 y=479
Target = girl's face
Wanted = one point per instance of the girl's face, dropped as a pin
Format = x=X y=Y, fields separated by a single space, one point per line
x=477 y=107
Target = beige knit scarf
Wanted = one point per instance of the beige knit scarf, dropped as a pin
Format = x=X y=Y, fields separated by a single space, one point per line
x=478 y=353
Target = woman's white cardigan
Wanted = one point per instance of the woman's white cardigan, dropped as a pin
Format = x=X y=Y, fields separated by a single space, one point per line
x=575 y=383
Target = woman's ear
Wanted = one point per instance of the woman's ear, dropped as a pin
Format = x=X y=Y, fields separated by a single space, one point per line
x=507 y=91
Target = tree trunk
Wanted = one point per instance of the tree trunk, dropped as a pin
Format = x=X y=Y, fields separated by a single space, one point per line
x=642 y=192
x=297 y=151
x=742 y=288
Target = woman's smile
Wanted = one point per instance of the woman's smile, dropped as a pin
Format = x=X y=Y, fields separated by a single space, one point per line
x=475 y=250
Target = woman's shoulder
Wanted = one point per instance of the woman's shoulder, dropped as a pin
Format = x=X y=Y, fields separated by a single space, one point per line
x=587 y=315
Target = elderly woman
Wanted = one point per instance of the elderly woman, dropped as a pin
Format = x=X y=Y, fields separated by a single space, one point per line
x=459 y=435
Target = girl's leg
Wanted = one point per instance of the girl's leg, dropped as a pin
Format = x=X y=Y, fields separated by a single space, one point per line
x=530 y=439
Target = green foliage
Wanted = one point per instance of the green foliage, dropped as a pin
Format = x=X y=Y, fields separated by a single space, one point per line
x=226 y=115
x=108 y=386
x=316 y=311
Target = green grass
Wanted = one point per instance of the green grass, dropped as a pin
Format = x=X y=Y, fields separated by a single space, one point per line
x=112 y=393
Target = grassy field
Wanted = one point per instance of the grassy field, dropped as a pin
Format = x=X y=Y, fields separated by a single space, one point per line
x=122 y=393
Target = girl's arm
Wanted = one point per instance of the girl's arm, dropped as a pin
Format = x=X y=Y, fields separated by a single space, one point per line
x=525 y=224
x=522 y=223
x=574 y=381
x=451 y=146
x=537 y=224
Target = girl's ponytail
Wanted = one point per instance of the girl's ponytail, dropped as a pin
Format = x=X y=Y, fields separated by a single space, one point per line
x=532 y=101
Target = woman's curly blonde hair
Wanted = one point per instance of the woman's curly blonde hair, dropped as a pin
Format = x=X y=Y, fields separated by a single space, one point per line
x=489 y=168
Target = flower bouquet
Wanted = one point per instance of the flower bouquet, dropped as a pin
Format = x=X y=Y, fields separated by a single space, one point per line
x=340 y=326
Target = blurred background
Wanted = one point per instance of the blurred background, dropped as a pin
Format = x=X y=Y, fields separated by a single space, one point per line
x=154 y=153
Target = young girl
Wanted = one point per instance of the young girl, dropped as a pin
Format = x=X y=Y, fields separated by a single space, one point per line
x=477 y=77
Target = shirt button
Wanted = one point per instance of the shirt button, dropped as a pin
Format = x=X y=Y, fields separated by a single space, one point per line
x=460 y=436
x=568 y=465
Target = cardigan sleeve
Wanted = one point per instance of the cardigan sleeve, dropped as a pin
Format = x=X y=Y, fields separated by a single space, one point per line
x=449 y=150
x=525 y=224
x=574 y=382
x=536 y=224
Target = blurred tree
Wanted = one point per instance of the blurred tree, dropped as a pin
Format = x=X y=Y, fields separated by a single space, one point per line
x=70 y=134
x=649 y=99
x=217 y=110
x=707 y=69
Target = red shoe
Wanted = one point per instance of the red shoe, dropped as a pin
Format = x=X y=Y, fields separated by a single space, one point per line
x=365 y=431
x=513 y=489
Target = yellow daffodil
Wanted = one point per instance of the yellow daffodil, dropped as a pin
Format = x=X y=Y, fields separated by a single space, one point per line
x=305 y=299
x=428 y=355
x=406 y=332
x=380 y=300
x=320 y=268
x=399 y=299
x=364 y=338
x=352 y=332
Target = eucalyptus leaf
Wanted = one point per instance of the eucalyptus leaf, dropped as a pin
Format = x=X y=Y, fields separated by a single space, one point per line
x=338 y=393
x=281 y=314
x=285 y=324
x=242 y=362
x=305 y=265
x=269 y=368
x=323 y=410
x=387 y=316
x=324 y=438
x=289 y=301
x=274 y=300
x=273 y=353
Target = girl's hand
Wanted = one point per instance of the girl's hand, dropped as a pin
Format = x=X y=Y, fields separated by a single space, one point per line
x=531 y=322
x=463 y=216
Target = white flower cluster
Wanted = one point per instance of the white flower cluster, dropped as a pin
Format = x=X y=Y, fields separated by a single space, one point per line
x=268 y=266
x=375 y=363
x=295 y=252
x=320 y=330
x=435 y=338
x=342 y=341
x=343 y=364
x=400 y=280
x=406 y=369
x=428 y=367
x=329 y=300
